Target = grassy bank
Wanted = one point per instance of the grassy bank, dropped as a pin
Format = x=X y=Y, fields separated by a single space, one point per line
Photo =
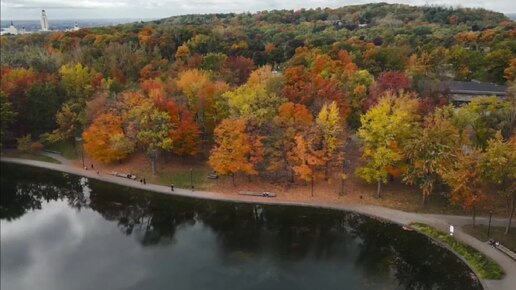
x=483 y=265
x=497 y=233
x=31 y=156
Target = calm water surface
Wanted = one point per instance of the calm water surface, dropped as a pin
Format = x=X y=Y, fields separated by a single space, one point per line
x=60 y=231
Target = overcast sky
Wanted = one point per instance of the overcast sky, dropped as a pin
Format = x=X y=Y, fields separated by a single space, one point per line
x=81 y=9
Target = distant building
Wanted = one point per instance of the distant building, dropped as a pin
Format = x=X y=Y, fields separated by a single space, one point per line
x=461 y=93
x=11 y=30
x=44 y=21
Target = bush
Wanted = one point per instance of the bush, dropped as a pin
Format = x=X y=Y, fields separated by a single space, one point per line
x=483 y=265
x=24 y=143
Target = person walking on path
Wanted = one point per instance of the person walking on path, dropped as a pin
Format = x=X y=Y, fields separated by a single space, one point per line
x=144 y=182
x=172 y=187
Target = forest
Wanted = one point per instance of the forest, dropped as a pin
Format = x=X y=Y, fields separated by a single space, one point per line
x=280 y=95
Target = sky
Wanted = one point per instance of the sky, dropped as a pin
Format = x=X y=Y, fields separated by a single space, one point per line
x=154 y=9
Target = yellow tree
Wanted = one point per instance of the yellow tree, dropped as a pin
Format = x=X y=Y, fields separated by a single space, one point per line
x=254 y=102
x=236 y=150
x=329 y=125
x=498 y=165
x=434 y=147
x=385 y=129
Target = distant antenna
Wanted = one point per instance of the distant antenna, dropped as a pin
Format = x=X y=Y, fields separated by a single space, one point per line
x=44 y=21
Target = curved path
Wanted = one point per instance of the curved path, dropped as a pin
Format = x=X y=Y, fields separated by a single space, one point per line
x=440 y=222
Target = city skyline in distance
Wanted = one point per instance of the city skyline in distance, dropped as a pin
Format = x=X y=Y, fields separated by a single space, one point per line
x=155 y=9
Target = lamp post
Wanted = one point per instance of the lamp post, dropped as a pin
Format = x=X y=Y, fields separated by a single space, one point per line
x=191 y=178
x=489 y=225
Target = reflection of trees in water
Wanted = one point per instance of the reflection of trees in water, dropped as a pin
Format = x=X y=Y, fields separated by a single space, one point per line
x=153 y=219
x=25 y=189
x=415 y=262
x=383 y=250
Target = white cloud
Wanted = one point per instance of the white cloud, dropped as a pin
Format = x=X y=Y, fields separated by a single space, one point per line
x=59 y=9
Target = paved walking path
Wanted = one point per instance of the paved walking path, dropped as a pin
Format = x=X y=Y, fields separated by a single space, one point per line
x=440 y=222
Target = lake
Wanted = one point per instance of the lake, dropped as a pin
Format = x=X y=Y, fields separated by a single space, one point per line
x=60 y=231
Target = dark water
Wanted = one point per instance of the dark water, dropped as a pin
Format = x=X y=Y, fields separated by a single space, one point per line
x=60 y=231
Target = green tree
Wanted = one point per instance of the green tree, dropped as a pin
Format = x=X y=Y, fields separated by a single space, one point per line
x=77 y=81
x=7 y=116
x=70 y=122
x=152 y=130
x=483 y=117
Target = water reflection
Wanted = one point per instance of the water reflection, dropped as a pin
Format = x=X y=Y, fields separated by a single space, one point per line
x=59 y=230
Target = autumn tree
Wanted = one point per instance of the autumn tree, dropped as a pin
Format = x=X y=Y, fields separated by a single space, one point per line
x=498 y=165
x=253 y=101
x=70 y=121
x=77 y=81
x=392 y=82
x=148 y=126
x=236 y=150
x=236 y=69
x=385 y=129
x=465 y=179
x=313 y=90
x=185 y=134
x=292 y=120
x=204 y=98
x=331 y=132
x=483 y=117
x=306 y=158
x=105 y=139
x=182 y=53
x=434 y=147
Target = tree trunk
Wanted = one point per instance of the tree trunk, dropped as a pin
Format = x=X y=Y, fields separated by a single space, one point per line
x=378 y=192
x=423 y=202
x=312 y=184
x=474 y=215
x=233 y=178
x=508 y=229
x=153 y=164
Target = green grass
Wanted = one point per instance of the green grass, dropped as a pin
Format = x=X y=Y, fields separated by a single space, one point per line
x=497 y=233
x=32 y=156
x=483 y=265
x=181 y=178
x=66 y=149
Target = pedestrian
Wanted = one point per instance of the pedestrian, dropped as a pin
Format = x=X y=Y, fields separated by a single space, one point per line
x=144 y=182
x=172 y=187
x=98 y=173
x=192 y=188
x=92 y=166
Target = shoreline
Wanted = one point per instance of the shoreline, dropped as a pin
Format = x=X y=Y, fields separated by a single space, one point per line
x=440 y=222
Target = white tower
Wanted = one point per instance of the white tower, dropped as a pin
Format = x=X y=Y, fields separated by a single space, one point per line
x=12 y=29
x=44 y=21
